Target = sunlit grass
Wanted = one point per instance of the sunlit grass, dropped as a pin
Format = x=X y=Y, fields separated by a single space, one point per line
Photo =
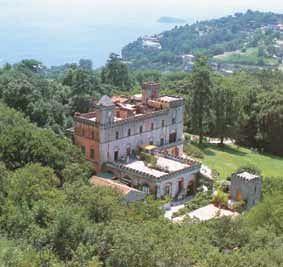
x=228 y=159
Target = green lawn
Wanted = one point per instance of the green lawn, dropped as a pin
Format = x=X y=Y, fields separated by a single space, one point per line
x=228 y=159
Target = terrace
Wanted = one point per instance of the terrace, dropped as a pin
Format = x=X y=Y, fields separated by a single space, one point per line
x=164 y=166
x=131 y=107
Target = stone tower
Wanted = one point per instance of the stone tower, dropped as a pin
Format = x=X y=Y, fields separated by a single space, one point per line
x=246 y=187
x=150 y=90
x=105 y=111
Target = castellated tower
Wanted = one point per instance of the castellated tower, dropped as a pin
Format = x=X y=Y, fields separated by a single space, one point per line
x=150 y=90
x=105 y=111
x=246 y=187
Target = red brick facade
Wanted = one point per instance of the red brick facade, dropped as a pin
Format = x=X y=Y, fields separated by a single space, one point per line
x=87 y=138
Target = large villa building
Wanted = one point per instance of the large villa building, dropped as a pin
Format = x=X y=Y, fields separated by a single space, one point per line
x=119 y=128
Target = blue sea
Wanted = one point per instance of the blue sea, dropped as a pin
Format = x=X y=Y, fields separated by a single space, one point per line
x=54 y=36
x=55 y=46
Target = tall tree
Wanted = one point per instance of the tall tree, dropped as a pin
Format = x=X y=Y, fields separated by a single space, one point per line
x=116 y=72
x=224 y=111
x=201 y=99
x=270 y=121
x=85 y=64
x=247 y=123
x=84 y=86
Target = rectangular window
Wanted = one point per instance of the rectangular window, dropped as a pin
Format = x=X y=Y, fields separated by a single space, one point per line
x=173 y=121
x=116 y=155
x=141 y=129
x=152 y=126
x=162 y=142
x=163 y=123
x=151 y=142
x=92 y=153
x=83 y=149
x=129 y=132
x=117 y=135
x=92 y=135
x=172 y=138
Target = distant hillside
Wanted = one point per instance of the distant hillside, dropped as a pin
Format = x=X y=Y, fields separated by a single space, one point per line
x=174 y=49
x=171 y=20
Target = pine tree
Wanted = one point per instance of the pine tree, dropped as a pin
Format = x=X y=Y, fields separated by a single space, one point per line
x=224 y=111
x=201 y=99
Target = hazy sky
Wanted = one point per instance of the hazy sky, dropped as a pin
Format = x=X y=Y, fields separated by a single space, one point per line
x=109 y=10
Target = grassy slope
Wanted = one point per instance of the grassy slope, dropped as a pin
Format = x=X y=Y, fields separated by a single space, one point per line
x=228 y=159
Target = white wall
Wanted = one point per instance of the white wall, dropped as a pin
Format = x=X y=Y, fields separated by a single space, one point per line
x=109 y=144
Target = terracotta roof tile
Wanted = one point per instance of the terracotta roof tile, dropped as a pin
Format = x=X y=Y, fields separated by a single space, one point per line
x=121 y=188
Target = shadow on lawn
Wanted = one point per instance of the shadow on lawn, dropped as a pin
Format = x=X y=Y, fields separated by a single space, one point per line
x=209 y=149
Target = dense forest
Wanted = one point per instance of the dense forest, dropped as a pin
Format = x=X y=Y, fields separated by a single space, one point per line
x=213 y=37
x=247 y=107
x=51 y=216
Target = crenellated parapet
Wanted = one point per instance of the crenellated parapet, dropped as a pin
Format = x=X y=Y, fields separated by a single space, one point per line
x=193 y=169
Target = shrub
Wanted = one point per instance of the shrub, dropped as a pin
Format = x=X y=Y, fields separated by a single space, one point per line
x=193 y=151
x=148 y=158
x=220 y=199
x=215 y=174
x=180 y=212
x=201 y=199
x=239 y=206
x=187 y=137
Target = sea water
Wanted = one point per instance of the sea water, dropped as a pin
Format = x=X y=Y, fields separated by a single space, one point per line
x=60 y=31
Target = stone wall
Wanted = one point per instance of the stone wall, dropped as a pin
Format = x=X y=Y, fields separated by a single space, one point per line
x=246 y=190
x=186 y=178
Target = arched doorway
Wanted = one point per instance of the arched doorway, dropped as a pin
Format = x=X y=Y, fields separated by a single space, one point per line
x=180 y=184
x=191 y=188
x=168 y=189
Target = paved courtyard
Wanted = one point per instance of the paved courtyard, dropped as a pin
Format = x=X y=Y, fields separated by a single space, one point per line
x=207 y=213
x=169 y=213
